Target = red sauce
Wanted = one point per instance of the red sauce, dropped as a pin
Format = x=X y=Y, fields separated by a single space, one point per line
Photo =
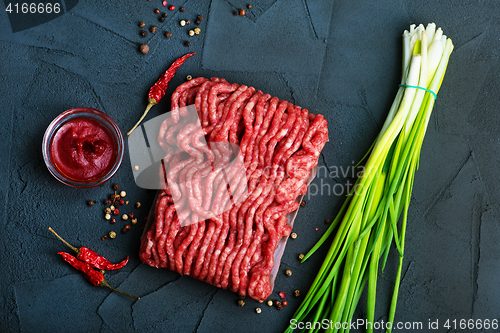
x=83 y=150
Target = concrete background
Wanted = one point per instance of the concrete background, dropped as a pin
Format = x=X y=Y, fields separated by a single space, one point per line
x=341 y=59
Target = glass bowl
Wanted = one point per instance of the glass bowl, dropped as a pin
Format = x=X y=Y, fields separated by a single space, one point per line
x=103 y=124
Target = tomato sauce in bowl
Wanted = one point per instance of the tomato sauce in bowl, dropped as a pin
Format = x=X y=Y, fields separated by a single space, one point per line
x=83 y=147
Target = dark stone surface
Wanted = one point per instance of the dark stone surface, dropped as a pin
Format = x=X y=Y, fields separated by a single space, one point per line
x=340 y=59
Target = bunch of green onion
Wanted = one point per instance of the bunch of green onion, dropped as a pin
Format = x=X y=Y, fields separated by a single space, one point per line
x=370 y=218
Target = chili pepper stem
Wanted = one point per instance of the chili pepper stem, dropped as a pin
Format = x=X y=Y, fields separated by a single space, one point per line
x=62 y=240
x=150 y=105
x=105 y=284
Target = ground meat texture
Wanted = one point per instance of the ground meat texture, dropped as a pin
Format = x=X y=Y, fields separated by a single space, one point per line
x=222 y=212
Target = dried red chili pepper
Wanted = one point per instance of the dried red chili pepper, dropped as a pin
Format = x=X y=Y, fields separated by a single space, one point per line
x=95 y=277
x=92 y=258
x=159 y=89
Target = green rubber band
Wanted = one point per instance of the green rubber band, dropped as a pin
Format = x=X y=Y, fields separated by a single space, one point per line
x=417 y=87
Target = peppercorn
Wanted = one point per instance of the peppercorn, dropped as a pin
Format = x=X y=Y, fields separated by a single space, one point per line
x=161 y=19
x=164 y=15
x=296 y=293
x=288 y=272
x=104 y=237
x=302 y=203
x=249 y=6
x=270 y=303
x=282 y=294
x=191 y=32
x=112 y=197
x=116 y=212
x=171 y=7
x=107 y=216
x=136 y=168
x=143 y=33
x=242 y=12
x=277 y=303
x=200 y=17
x=113 y=221
x=144 y=48
x=137 y=205
x=182 y=23
x=241 y=302
x=189 y=77
x=112 y=208
x=197 y=22
x=197 y=31
x=187 y=43
x=126 y=228
x=157 y=11
x=293 y=235
x=121 y=202
x=125 y=217
x=182 y=9
x=131 y=215
x=123 y=194
x=153 y=30
x=106 y=201
x=107 y=210
x=285 y=303
x=90 y=203
x=188 y=22
x=258 y=310
x=235 y=12
x=134 y=221
x=301 y=256
x=142 y=24
x=168 y=34
x=112 y=234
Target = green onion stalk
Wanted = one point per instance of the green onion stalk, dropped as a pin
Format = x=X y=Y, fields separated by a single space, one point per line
x=375 y=213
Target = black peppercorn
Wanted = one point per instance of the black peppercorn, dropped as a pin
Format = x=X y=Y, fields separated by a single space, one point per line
x=164 y=15
x=90 y=203
x=143 y=33
x=200 y=17
x=249 y=6
x=197 y=22
x=161 y=19
x=142 y=25
x=116 y=186
x=187 y=43
x=182 y=9
x=168 y=34
x=152 y=29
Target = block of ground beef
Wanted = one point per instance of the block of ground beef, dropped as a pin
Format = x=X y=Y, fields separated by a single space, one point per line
x=217 y=220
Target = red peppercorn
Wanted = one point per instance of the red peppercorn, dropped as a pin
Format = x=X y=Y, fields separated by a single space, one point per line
x=165 y=3
x=122 y=202
x=126 y=228
x=285 y=303
x=131 y=215
x=113 y=221
x=171 y=7
x=282 y=294
x=116 y=212
x=242 y=12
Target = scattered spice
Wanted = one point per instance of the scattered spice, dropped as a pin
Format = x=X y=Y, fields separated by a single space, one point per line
x=191 y=32
x=164 y=15
x=200 y=17
x=302 y=203
x=197 y=31
x=168 y=34
x=282 y=294
x=137 y=205
x=137 y=167
x=188 y=22
x=197 y=22
x=161 y=19
x=277 y=303
x=123 y=194
x=125 y=217
x=121 y=202
x=90 y=203
x=90 y=257
x=270 y=303
x=242 y=12
x=95 y=277
x=317 y=229
x=258 y=310
x=116 y=212
x=103 y=238
x=157 y=11
x=107 y=216
x=116 y=186
x=134 y=221
x=106 y=201
x=249 y=6
x=236 y=13
x=126 y=228
x=144 y=48
x=241 y=302
x=327 y=221
x=182 y=9
x=164 y=3
x=301 y=256
x=182 y=23
x=285 y=303
x=187 y=43
x=112 y=234
x=288 y=272
x=171 y=7
x=296 y=293
x=293 y=235
x=111 y=208
x=142 y=24
x=113 y=221
x=131 y=215
x=189 y=77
